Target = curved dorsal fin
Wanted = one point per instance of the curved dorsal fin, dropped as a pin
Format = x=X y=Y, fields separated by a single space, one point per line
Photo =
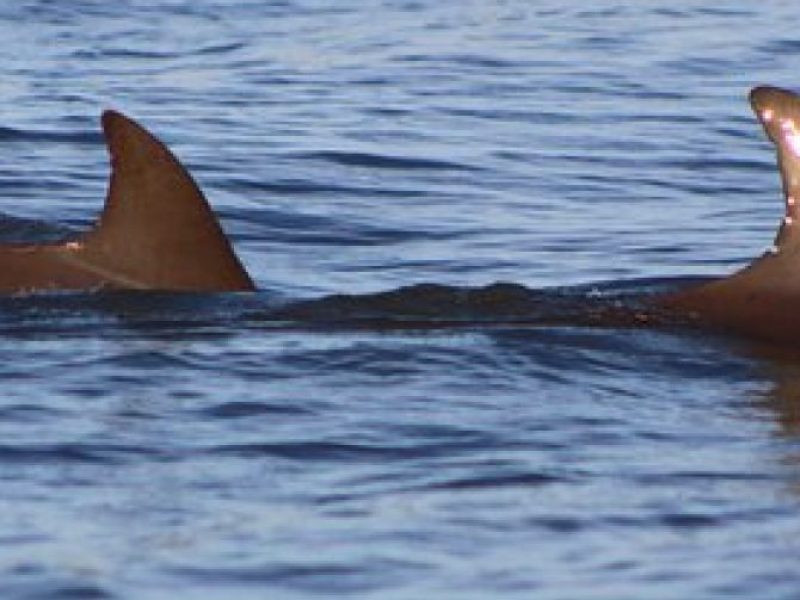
x=778 y=110
x=157 y=230
x=761 y=299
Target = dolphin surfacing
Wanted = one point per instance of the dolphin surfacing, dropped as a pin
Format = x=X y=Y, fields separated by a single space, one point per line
x=156 y=231
x=763 y=299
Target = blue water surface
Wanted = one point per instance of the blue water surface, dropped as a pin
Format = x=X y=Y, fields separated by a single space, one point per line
x=154 y=446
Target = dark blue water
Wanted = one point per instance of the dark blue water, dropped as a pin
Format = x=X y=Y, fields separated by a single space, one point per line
x=154 y=446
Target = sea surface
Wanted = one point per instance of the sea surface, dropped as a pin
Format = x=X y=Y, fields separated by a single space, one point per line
x=403 y=179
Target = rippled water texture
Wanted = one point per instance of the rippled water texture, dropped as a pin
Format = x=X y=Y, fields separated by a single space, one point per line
x=154 y=446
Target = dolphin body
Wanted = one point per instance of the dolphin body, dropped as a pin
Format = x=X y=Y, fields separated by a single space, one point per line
x=156 y=231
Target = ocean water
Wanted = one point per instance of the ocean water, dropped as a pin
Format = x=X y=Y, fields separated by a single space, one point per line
x=392 y=158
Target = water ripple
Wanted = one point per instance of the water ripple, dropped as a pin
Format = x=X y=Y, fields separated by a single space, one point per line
x=382 y=161
x=91 y=138
x=66 y=453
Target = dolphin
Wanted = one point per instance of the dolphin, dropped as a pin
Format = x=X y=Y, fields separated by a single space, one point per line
x=155 y=232
x=761 y=300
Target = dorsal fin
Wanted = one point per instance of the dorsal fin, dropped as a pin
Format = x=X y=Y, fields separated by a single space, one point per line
x=157 y=230
x=778 y=110
x=761 y=299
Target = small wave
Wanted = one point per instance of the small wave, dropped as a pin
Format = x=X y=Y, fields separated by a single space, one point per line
x=338 y=451
x=320 y=578
x=705 y=165
x=330 y=232
x=219 y=49
x=307 y=451
x=683 y=476
x=305 y=186
x=26 y=412
x=290 y=574
x=382 y=161
x=70 y=453
x=476 y=61
x=690 y=521
x=781 y=47
x=47 y=587
x=497 y=481
x=11 y=134
x=235 y=410
x=150 y=54
x=124 y=53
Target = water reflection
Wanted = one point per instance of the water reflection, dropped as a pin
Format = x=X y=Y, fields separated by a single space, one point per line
x=781 y=366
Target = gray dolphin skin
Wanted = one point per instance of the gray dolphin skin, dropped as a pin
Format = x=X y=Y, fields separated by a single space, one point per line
x=156 y=231
x=763 y=299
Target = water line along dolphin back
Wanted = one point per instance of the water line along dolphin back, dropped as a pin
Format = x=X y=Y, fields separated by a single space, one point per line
x=158 y=232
